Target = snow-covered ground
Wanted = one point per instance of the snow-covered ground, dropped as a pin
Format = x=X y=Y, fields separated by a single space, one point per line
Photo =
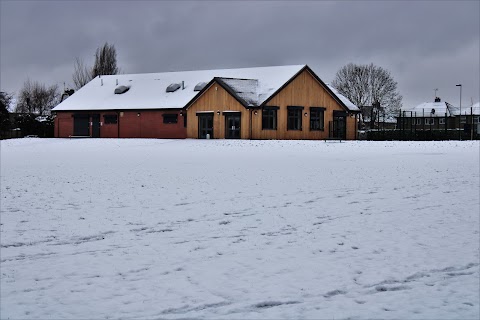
x=239 y=229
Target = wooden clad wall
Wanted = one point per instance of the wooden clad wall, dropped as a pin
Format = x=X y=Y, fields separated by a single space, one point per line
x=304 y=91
x=217 y=99
x=352 y=127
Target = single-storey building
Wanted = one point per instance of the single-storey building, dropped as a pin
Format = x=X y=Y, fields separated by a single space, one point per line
x=285 y=102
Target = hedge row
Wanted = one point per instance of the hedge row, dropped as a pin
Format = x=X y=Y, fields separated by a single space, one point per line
x=419 y=135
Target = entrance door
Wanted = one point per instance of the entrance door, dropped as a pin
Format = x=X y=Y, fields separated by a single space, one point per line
x=205 y=126
x=80 y=125
x=95 y=125
x=338 y=127
x=232 y=126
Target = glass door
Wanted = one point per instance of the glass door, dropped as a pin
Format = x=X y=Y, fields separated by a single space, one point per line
x=232 y=126
x=205 y=126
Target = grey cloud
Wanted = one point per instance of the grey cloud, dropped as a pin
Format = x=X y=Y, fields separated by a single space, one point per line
x=424 y=44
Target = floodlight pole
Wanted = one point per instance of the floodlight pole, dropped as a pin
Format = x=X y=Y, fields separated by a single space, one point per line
x=460 y=117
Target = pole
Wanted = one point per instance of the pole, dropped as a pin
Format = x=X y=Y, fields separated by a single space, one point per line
x=403 y=124
x=460 y=117
x=471 y=123
x=423 y=120
x=411 y=122
x=446 y=124
x=460 y=112
x=415 y=127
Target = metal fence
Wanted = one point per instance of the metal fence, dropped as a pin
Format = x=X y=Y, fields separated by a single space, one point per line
x=419 y=135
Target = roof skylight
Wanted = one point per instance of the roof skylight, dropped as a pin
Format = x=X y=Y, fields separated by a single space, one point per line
x=121 y=89
x=200 y=86
x=173 y=87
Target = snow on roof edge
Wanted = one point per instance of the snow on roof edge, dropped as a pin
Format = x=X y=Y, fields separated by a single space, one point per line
x=147 y=90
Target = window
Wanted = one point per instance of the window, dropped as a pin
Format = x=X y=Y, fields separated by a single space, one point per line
x=294 y=118
x=110 y=119
x=317 y=118
x=429 y=121
x=269 y=118
x=419 y=121
x=170 y=118
x=441 y=121
x=476 y=120
x=463 y=119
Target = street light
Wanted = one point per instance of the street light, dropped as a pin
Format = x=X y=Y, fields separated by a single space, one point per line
x=460 y=117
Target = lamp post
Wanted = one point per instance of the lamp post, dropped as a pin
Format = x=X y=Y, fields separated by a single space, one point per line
x=460 y=117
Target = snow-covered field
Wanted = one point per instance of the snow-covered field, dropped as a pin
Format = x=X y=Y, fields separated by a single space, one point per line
x=239 y=229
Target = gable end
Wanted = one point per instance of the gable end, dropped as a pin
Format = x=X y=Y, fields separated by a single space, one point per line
x=221 y=84
x=310 y=71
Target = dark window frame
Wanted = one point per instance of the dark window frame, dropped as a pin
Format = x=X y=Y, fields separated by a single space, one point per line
x=81 y=124
x=317 y=119
x=205 y=117
x=110 y=119
x=170 y=118
x=270 y=118
x=294 y=118
x=429 y=121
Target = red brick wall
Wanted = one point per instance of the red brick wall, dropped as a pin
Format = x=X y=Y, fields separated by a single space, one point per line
x=63 y=125
x=149 y=124
x=130 y=124
x=108 y=130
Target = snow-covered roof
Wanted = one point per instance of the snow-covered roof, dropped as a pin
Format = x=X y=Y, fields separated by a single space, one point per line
x=148 y=90
x=344 y=99
x=245 y=89
x=430 y=109
x=475 y=109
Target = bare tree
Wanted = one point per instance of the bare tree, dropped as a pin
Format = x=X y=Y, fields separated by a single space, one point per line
x=371 y=88
x=105 y=61
x=81 y=74
x=36 y=98
x=105 y=64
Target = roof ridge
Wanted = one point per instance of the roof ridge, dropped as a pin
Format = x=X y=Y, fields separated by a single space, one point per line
x=229 y=78
x=203 y=70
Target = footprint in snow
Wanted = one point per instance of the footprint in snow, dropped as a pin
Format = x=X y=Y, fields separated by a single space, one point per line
x=270 y=304
x=334 y=293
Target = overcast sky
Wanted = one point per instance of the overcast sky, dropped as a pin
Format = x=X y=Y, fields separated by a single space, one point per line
x=425 y=45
